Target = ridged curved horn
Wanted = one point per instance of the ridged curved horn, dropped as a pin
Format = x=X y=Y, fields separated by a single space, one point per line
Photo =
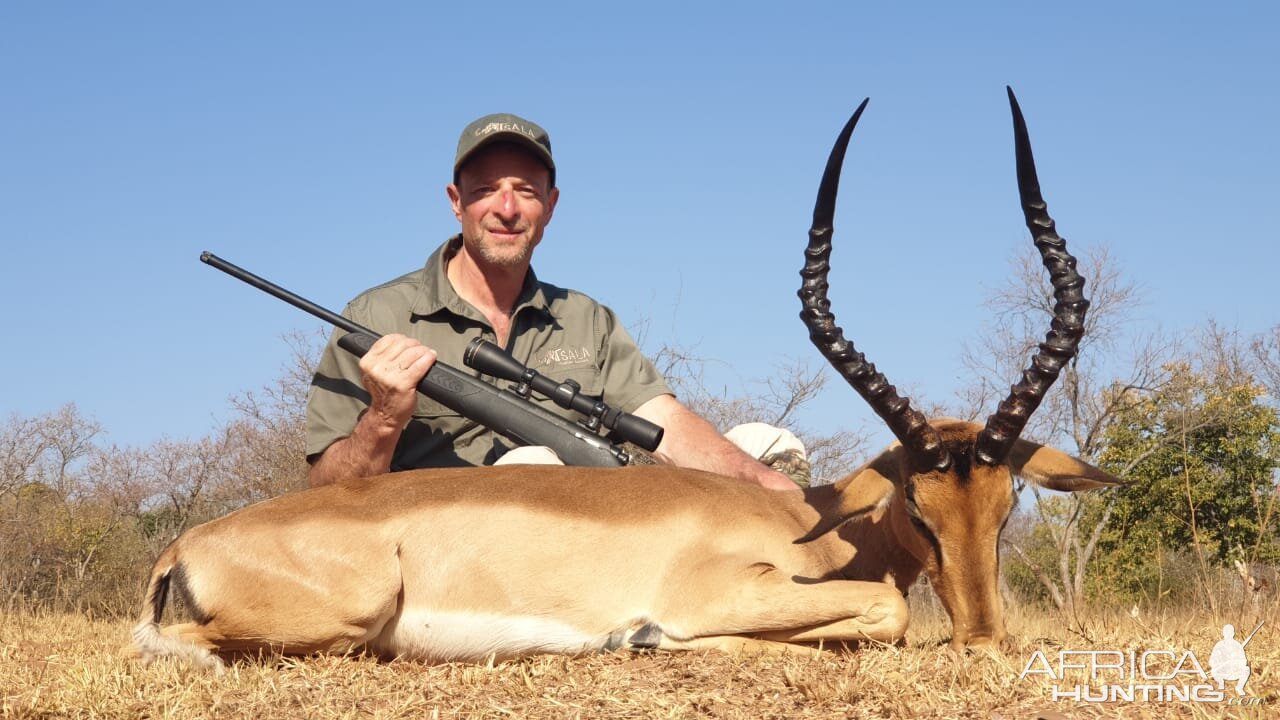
x=923 y=444
x=1002 y=428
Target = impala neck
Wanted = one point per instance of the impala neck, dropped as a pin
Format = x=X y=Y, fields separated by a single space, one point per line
x=868 y=548
x=877 y=553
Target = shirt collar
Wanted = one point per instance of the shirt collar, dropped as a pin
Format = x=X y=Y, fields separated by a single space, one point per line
x=437 y=292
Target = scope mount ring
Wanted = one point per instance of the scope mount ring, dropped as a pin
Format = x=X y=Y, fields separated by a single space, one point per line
x=524 y=388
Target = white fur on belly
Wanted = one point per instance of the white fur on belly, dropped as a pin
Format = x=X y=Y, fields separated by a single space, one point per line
x=471 y=637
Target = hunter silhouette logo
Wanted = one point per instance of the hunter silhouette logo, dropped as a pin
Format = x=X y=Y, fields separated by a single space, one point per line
x=1228 y=661
x=1149 y=675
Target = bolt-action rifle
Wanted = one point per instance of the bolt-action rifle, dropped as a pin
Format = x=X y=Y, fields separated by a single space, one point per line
x=508 y=412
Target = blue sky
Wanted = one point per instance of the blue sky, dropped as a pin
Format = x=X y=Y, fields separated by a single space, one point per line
x=311 y=142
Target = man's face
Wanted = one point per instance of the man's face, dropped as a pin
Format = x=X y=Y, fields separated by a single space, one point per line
x=503 y=200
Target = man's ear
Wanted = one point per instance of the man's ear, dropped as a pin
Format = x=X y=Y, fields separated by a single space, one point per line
x=455 y=199
x=553 y=197
x=1056 y=470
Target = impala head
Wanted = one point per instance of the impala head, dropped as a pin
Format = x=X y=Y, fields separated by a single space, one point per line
x=949 y=483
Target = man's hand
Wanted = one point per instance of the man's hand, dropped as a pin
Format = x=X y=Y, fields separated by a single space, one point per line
x=391 y=371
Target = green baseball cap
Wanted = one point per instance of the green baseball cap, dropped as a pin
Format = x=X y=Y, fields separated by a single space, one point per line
x=504 y=127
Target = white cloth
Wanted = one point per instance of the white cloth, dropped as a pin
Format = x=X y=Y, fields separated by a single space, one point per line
x=530 y=455
x=759 y=440
x=756 y=439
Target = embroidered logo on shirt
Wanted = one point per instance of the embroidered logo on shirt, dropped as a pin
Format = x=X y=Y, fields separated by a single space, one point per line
x=565 y=356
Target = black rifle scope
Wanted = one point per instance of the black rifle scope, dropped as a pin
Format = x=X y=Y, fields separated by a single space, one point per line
x=492 y=360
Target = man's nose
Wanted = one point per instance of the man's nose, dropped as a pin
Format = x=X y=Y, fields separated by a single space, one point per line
x=506 y=207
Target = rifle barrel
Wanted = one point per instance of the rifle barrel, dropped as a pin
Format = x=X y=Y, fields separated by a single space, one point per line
x=271 y=288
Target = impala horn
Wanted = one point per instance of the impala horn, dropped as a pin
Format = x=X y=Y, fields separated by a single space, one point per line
x=1002 y=428
x=923 y=445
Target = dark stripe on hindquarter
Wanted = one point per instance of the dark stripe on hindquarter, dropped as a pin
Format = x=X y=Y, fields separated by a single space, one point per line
x=182 y=590
x=159 y=591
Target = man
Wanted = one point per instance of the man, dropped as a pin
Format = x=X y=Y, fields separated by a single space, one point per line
x=365 y=417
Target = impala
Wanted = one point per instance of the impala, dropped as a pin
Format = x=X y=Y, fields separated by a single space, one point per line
x=501 y=562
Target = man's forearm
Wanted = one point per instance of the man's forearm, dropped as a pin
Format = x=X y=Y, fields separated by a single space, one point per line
x=366 y=451
x=692 y=442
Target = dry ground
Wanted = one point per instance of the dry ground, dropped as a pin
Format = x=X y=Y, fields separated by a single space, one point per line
x=68 y=666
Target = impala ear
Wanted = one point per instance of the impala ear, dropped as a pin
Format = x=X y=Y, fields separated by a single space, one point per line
x=1056 y=470
x=867 y=489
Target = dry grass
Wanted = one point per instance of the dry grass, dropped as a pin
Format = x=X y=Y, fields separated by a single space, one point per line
x=71 y=667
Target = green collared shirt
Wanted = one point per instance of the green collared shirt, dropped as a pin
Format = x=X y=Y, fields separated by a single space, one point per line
x=562 y=334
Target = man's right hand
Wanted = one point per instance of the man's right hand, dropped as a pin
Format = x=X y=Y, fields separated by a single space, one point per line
x=391 y=371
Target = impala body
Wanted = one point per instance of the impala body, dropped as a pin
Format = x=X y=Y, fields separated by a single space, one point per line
x=507 y=561
x=513 y=560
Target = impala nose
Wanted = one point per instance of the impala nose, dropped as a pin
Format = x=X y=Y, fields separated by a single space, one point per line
x=993 y=640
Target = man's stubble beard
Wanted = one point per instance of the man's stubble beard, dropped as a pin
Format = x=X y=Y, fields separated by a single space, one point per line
x=510 y=256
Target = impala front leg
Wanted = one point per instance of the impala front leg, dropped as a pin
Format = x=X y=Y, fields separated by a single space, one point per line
x=873 y=611
x=772 y=605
